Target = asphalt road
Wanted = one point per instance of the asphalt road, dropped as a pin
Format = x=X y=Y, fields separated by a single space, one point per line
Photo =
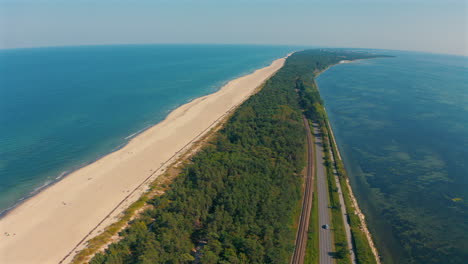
x=325 y=235
x=301 y=237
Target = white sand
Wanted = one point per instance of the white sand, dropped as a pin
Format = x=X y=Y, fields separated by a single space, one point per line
x=47 y=227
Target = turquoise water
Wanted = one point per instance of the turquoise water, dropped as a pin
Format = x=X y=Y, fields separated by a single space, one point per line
x=402 y=126
x=61 y=108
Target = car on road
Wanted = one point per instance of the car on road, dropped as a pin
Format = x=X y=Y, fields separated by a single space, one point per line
x=325 y=227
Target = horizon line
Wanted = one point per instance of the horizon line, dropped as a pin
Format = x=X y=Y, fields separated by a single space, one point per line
x=311 y=46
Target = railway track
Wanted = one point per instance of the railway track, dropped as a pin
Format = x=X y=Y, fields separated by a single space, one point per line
x=301 y=236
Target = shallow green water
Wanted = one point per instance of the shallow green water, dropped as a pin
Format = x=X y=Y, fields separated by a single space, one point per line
x=402 y=126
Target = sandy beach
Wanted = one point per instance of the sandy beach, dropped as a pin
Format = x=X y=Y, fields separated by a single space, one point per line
x=46 y=227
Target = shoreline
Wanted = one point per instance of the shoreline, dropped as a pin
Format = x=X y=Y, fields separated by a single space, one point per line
x=58 y=177
x=93 y=189
x=355 y=204
x=55 y=178
x=354 y=201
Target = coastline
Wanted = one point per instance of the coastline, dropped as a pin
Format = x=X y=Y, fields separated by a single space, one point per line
x=69 y=170
x=43 y=228
x=355 y=204
x=59 y=177
x=51 y=175
x=354 y=201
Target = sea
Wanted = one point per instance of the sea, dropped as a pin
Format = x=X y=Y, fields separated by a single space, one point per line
x=401 y=124
x=62 y=108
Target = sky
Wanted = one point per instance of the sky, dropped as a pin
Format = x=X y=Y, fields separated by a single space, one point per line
x=438 y=26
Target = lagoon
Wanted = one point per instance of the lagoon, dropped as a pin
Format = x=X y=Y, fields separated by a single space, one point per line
x=401 y=125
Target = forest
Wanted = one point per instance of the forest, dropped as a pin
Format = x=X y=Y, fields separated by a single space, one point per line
x=235 y=200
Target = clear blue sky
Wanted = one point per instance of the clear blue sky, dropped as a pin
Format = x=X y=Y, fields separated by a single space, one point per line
x=439 y=26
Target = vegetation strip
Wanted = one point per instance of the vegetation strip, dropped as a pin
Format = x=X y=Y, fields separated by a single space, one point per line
x=342 y=206
x=340 y=242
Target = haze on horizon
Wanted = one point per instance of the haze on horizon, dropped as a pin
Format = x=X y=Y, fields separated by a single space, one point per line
x=438 y=26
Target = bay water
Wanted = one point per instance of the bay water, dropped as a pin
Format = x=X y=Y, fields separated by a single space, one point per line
x=402 y=126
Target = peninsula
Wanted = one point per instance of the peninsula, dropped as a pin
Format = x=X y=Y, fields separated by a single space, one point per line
x=240 y=198
x=234 y=185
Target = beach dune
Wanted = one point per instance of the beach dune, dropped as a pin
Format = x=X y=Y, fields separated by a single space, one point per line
x=50 y=225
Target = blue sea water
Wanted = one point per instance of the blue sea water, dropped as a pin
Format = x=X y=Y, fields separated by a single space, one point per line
x=61 y=108
x=402 y=126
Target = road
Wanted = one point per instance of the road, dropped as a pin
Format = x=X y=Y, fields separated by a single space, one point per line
x=325 y=235
x=343 y=206
x=301 y=237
